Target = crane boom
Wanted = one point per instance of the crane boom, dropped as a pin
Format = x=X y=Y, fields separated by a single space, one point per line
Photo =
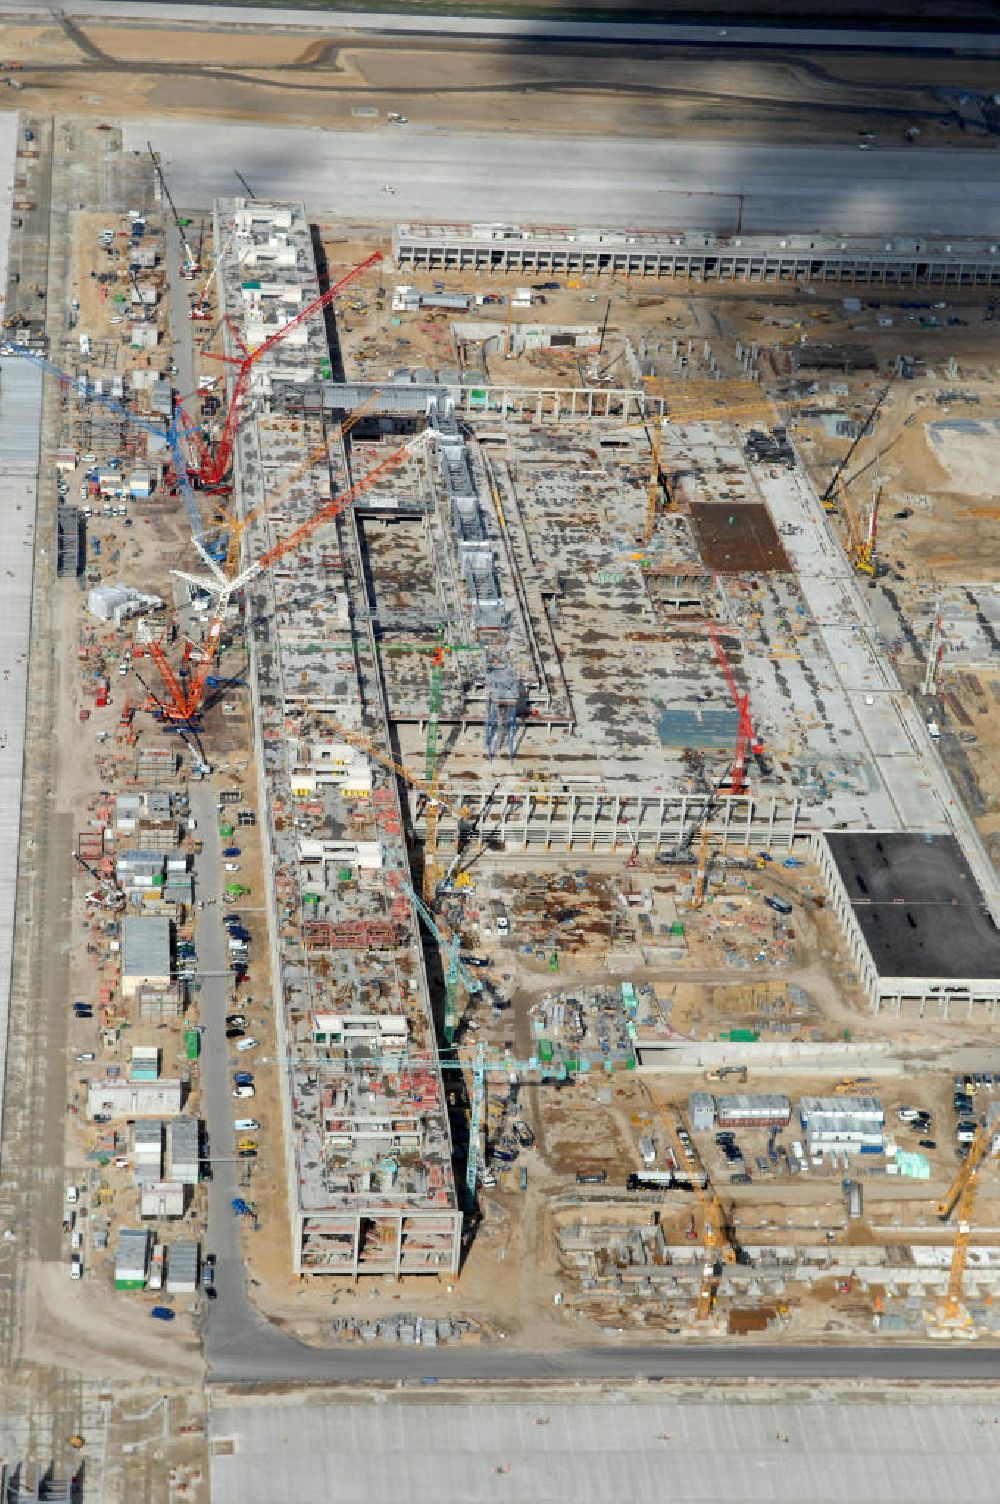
x=744 y=727
x=328 y=511
x=962 y=1192
x=862 y=431
x=185 y=707
x=86 y=391
x=191 y=266
x=246 y=362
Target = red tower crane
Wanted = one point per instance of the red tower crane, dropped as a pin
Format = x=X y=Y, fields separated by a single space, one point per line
x=184 y=705
x=744 y=727
x=211 y=467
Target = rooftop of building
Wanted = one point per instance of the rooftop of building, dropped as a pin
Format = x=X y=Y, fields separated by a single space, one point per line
x=917 y=903
x=146 y=943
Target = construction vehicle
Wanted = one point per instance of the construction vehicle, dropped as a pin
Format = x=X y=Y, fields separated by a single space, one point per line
x=739 y=1071
x=237 y=526
x=962 y=1192
x=199 y=309
x=854 y=1084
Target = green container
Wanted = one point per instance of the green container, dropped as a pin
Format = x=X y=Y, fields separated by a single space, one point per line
x=740 y=1036
x=677 y=928
x=572 y=1065
x=225 y=831
x=343 y=876
x=545 y=1050
x=192 y=1044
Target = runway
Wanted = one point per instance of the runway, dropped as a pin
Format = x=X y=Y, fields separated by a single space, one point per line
x=537 y=28
x=418 y=172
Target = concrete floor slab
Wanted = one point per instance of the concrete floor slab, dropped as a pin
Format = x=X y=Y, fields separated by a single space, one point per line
x=642 y=1451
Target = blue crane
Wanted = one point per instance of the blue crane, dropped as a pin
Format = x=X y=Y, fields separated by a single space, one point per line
x=454 y=972
x=85 y=390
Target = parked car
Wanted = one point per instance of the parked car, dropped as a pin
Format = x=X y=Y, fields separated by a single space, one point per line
x=162 y=1313
x=232 y=851
x=246 y=1125
x=243 y=1078
x=75 y=1266
x=72 y=1195
x=85 y=1055
x=927 y=1143
x=247 y=1044
x=235 y=1033
x=231 y=867
x=244 y=1092
x=236 y=1020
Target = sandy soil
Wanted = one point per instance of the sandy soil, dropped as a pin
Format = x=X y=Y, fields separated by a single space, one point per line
x=90 y=1330
x=298 y=79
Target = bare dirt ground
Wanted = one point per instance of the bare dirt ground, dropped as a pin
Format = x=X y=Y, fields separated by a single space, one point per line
x=137 y=69
x=92 y=1330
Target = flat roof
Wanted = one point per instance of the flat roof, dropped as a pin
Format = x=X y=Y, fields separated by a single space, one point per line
x=145 y=946
x=918 y=905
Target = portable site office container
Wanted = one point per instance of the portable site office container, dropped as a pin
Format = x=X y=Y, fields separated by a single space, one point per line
x=131 y=1259
x=701 y=1111
x=753 y=1110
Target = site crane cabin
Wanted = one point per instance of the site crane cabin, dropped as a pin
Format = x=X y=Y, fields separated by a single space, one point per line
x=185 y=707
x=213 y=466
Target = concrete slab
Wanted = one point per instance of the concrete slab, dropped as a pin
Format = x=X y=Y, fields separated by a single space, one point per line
x=642 y=1451
x=20 y=421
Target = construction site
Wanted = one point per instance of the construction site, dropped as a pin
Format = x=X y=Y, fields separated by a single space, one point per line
x=525 y=723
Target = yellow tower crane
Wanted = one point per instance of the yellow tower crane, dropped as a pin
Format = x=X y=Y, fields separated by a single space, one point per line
x=962 y=1192
x=655 y=480
x=698 y=895
x=716 y=1236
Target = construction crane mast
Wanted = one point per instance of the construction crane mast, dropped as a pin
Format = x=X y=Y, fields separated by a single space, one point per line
x=655 y=482
x=962 y=1193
